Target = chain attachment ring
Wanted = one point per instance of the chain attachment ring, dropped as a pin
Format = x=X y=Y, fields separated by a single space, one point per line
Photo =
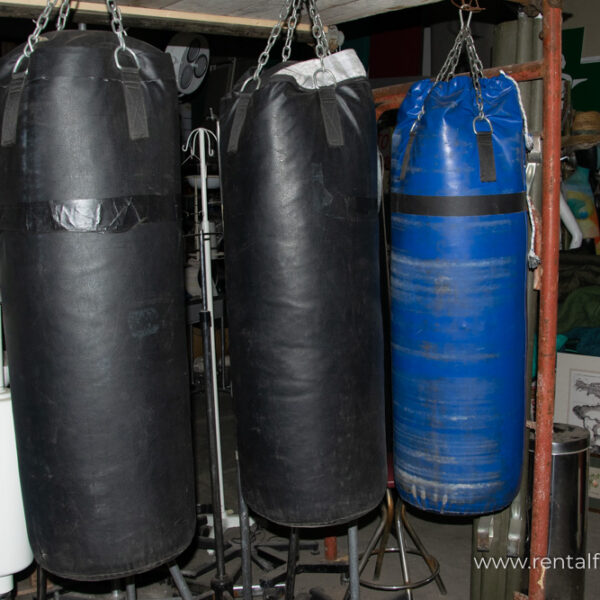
x=482 y=118
x=128 y=51
x=325 y=71
x=116 y=24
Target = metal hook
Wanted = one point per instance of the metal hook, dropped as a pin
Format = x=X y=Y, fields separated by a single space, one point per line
x=470 y=6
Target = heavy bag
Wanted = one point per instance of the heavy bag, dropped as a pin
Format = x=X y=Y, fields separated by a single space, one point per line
x=458 y=272
x=92 y=286
x=302 y=276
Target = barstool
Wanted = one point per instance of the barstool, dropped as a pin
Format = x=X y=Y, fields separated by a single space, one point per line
x=393 y=514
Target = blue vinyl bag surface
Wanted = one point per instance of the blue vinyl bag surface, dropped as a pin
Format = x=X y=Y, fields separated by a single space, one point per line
x=458 y=269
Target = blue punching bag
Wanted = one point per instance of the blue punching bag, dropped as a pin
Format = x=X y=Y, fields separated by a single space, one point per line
x=459 y=252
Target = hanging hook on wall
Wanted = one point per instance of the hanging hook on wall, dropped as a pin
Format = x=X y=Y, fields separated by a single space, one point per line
x=468 y=5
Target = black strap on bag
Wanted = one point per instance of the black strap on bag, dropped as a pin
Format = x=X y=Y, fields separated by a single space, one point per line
x=290 y=12
x=484 y=138
x=11 y=109
x=137 y=119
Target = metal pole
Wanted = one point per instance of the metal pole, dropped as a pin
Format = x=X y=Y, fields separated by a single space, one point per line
x=290 y=579
x=220 y=582
x=549 y=297
x=41 y=584
x=180 y=582
x=353 y=562
x=402 y=552
x=245 y=539
x=130 y=589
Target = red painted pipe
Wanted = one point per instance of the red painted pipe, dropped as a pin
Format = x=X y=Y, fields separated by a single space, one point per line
x=548 y=298
x=331 y=548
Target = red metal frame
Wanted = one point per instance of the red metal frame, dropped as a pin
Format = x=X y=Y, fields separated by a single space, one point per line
x=390 y=98
x=548 y=297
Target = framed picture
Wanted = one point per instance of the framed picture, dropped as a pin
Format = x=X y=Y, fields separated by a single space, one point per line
x=577 y=399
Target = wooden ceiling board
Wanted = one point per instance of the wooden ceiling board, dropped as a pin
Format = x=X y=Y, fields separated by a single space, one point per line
x=231 y=17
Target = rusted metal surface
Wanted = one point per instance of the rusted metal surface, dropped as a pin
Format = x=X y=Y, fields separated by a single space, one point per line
x=548 y=299
x=391 y=96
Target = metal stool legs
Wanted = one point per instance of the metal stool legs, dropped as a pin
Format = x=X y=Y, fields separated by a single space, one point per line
x=395 y=515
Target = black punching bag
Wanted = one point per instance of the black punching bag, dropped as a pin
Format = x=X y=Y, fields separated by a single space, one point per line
x=302 y=270
x=92 y=291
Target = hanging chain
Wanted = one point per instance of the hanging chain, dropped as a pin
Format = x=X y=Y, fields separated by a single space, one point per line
x=448 y=70
x=290 y=12
x=318 y=31
x=263 y=59
x=116 y=24
x=476 y=71
x=291 y=28
x=63 y=15
x=32 y=41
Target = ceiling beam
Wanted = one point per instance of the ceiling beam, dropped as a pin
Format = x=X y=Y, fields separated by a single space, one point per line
x=155 y=18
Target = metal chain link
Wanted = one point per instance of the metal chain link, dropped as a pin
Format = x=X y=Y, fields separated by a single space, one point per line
x=32 y=41
x=116 y=24
x=63 y=15
x=318 y=31
x=449 y=67
x=476 y=72
x=290 y=11
x=263 y=59
x=291 y=28
x=448 y=70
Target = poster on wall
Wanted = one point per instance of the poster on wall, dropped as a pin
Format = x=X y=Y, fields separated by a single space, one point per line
x=577 y=400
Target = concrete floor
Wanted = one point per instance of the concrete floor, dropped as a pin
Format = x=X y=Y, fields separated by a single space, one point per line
x=449 y=540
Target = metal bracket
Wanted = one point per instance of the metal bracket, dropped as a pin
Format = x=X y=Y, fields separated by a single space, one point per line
x=485 y=533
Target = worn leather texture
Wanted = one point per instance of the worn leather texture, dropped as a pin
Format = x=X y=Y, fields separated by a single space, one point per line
x=303 y=286
x=94 y=312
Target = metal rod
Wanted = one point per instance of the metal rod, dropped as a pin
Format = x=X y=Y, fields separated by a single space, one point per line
x=389 y=501
x=222 y=326
x=548 y=297
x=364 y=559
x=215 y=479
x=207 y=301
x=402 y=548
x=130 y=589
x=180 y=582
x=353 y=562
x=245 y=538
x=41 y=584
x=430 y=560
x=290 y=578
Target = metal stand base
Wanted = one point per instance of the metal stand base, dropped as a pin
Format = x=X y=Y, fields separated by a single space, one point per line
x=393 y=515
x=287 y=572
